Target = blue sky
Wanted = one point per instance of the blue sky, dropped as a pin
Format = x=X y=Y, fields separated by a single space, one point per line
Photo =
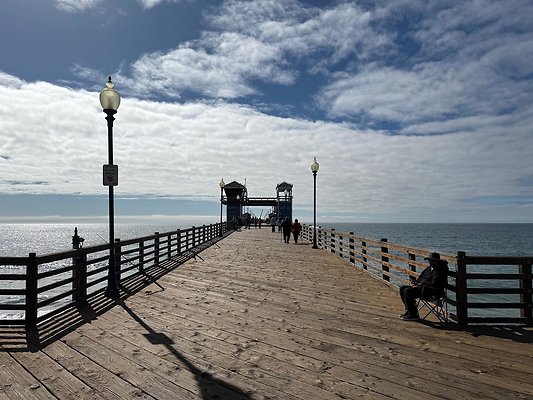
x=416 y=112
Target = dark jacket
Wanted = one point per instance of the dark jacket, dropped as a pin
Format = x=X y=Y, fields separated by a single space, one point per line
x=286 y=225
x=433 y=279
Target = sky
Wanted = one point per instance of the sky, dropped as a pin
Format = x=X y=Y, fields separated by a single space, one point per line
x=416 y=111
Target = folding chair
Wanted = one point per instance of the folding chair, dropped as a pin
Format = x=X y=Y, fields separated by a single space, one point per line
x=434 y=305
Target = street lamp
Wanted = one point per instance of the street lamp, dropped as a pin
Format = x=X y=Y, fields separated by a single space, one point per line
x=110 y=100
x=314 y=170
x=221 y=184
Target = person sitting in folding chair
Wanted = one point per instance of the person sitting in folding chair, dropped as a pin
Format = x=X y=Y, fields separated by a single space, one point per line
x=430 y=284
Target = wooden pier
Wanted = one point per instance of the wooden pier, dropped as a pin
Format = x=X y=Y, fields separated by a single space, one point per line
x=255 y=318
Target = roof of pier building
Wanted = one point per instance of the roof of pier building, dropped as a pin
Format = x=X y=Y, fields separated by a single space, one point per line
x=284 y=186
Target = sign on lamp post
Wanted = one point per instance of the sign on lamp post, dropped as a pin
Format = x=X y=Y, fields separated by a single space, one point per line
x=110 y=175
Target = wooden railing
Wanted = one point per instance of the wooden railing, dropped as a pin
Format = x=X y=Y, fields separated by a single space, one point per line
x=37 y=287
x=480 y=289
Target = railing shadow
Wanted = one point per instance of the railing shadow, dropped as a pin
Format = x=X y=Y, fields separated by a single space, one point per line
x=210 y=387
x=516 y=333
x=19 y=339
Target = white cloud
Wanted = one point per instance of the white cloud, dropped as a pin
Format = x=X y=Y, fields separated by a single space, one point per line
x=10 y=81
x=74 y=6
x=221 y=68
x=147 y=4
x=184 y=149
x=253 y=41
x=471 y=61
x=334 y=32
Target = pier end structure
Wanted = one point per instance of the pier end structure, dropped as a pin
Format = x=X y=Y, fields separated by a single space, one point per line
x=236 y=197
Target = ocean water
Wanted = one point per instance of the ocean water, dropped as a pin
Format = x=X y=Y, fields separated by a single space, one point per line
x=18 y=239
x=474 y=239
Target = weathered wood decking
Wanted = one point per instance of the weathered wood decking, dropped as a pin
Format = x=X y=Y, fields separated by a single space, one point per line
x=260 y=319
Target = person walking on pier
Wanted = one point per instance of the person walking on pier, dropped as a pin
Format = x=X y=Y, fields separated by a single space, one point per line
x=273 y=224
x=296 y=228
x=430 y=283
x=286 y=225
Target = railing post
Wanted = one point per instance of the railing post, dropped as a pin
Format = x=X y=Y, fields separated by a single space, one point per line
x=352 y=248
x=141 y=256
x=363 y=250
x=193 y=237
x=526 y=297
x=79 y=282
x=340 y=241
x=412 y=266
x=179 y=242
x=332 y=240
x=461 y=296
x=384 y=259
x=156 y=248
x=79 y=272
x=31 y=291
x=118 y=260
x=177 y=233
x=319 y=237
x=169 y=248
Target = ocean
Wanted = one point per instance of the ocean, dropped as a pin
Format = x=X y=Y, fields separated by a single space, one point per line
x=474 y=239
x=18 y=239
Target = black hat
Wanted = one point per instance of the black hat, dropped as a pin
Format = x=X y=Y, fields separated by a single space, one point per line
x=433 y=256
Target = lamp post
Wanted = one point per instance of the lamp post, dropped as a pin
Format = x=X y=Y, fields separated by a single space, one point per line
x=221 y=184
x=314 y=170
x=110 y=100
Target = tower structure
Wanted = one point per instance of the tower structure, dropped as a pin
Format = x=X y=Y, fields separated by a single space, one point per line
x=284 y=200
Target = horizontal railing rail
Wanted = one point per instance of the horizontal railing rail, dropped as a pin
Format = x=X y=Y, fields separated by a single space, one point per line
x=35 y=288
x=480 y=289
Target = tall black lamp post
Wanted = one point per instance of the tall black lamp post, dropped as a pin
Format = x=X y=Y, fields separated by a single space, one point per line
x=221 y=184
x=110 y=100
x=314 y=170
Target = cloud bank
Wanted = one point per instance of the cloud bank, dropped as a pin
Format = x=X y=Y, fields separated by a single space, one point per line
x=414 y=110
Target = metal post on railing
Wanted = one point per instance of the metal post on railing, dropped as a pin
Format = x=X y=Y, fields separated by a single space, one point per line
x=526 y=295
x=193 y=237
x=31 y=292
x=156 y=248
x=332 y=240
x=352 y=248
x=461 y=296
x=319 y=237
x=384 y=259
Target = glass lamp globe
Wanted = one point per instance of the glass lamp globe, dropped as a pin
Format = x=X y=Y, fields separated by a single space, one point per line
x=109 y=97
x=222 y=184
x=314 y=166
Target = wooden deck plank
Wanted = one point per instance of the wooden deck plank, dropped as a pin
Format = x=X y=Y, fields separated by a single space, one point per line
x=17 y=383
x=53 y=376
x=260 y=319
x=96 y=376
